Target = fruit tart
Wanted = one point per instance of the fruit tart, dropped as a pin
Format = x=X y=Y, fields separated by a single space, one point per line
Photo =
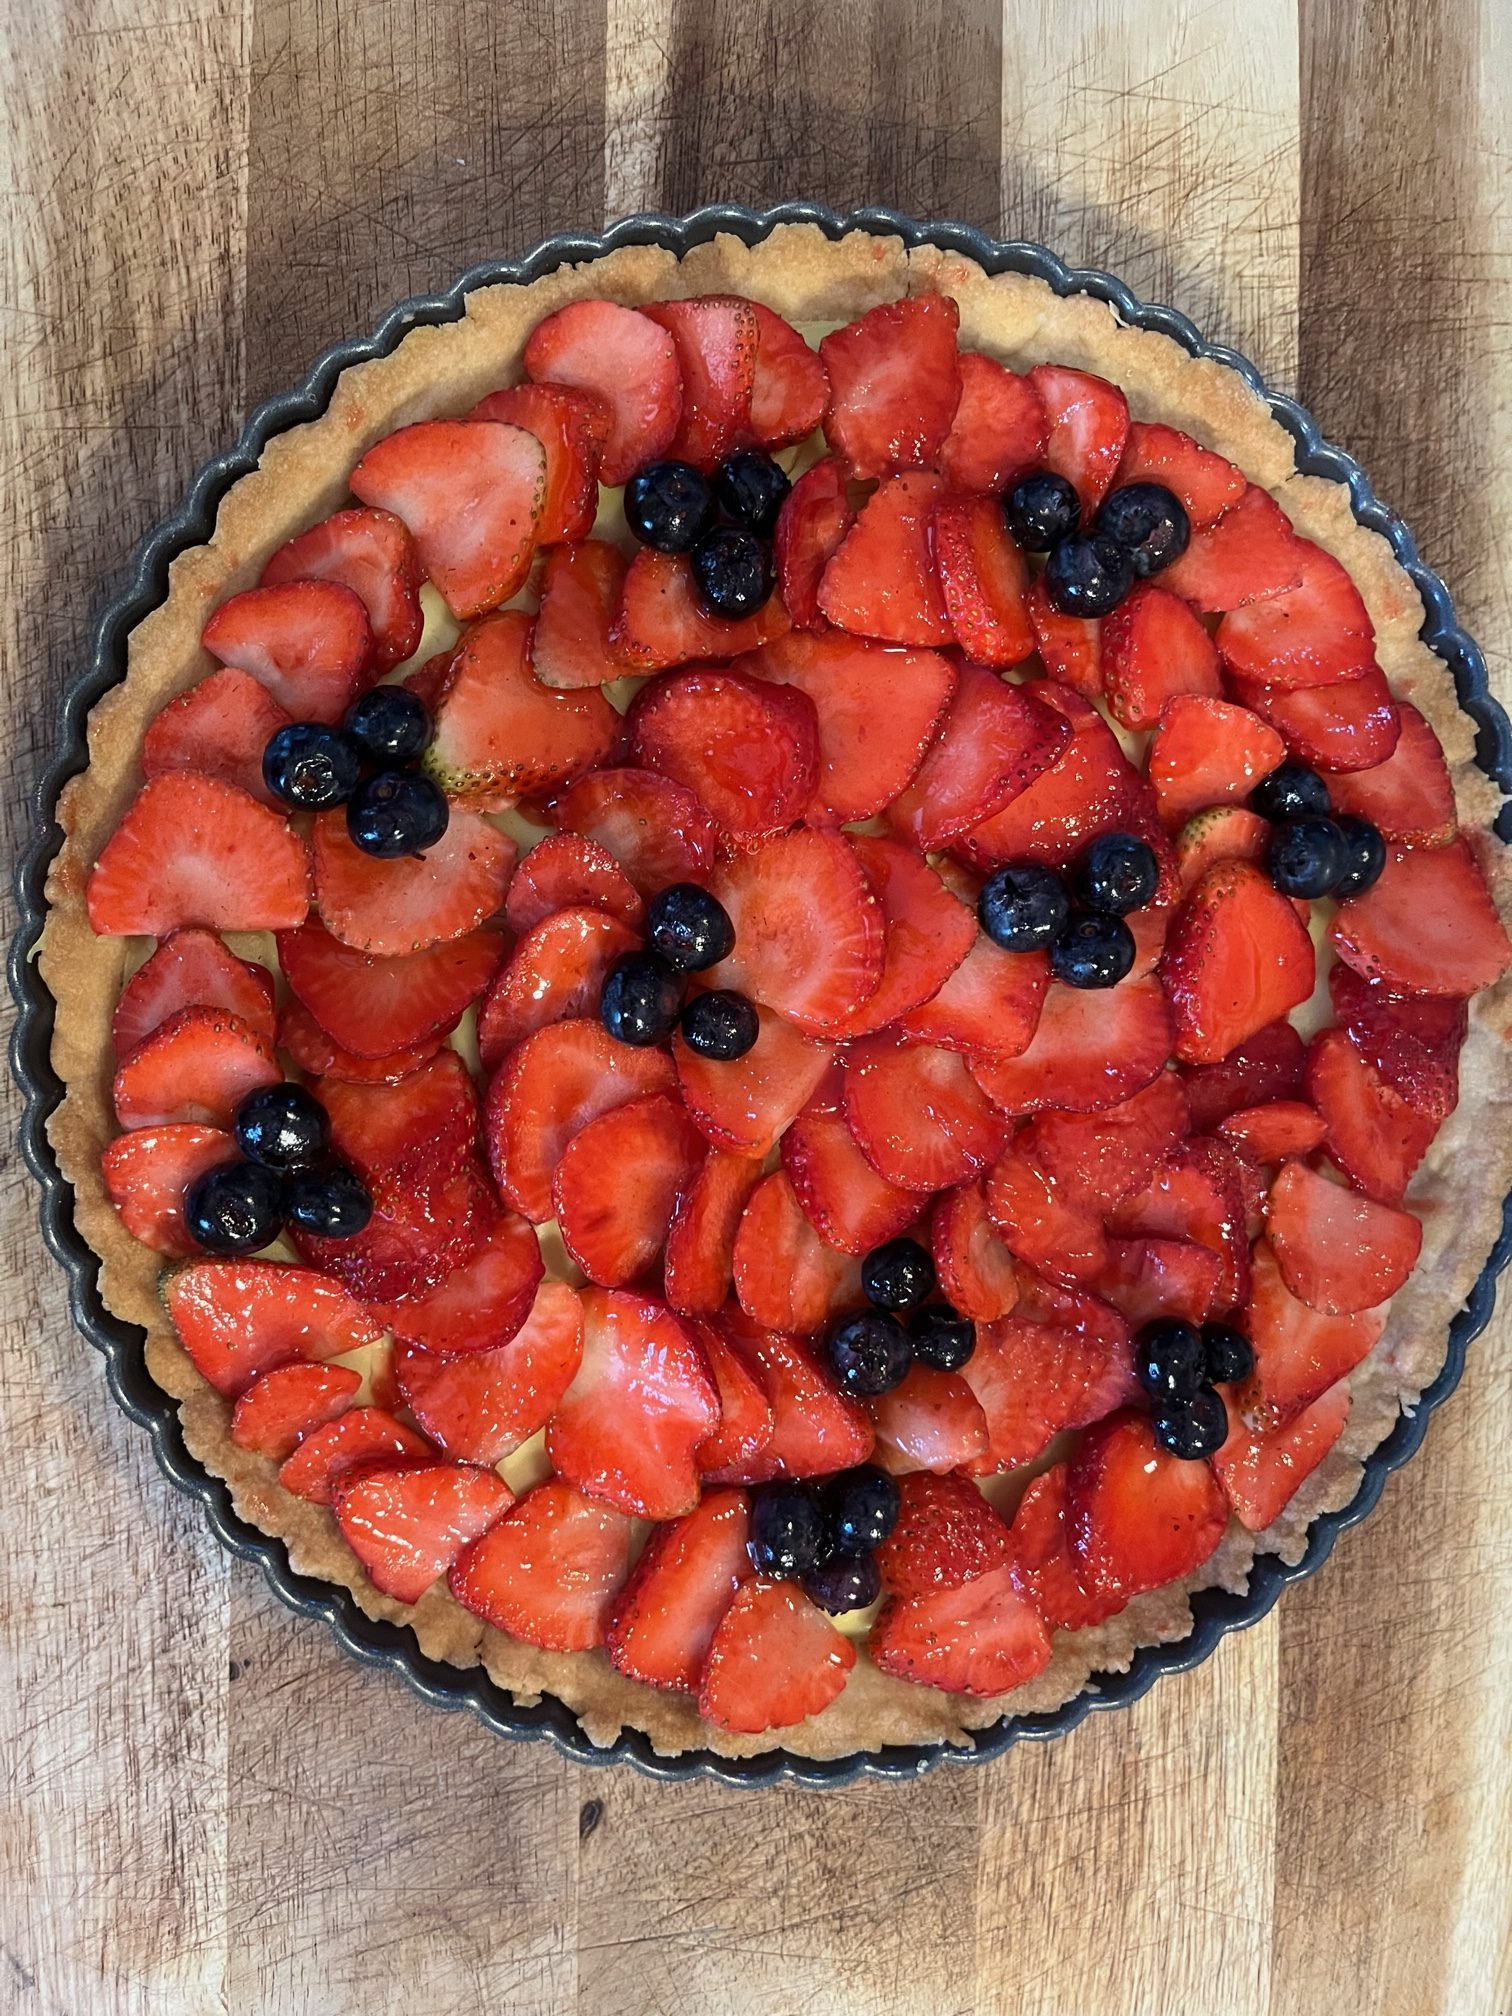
x=777 y=985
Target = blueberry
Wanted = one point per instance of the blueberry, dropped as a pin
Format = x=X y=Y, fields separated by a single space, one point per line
x=282 y=1126
x=1365 y=852
x=1290 y=791
x=237 y=1207
x=1023 y=907
x=1093 y=951
x=1149 y=522
x=732 y=572
x=1169 y=1360
x=397 y=812
x=1041 y=510
x=390 y=725
x=330 y=1200
x=309 y=766
x=722 y=1025
x=1228 y=1354
x=1306 y=857
x=669 y=506
x=1088 y=577
x=751 y=487
x=860 y=1508
x=897 y=1274
x=942 y=1336
x=689 y=928
x=1192 y=1428
x=787 y=1535
x=869 y=1353
x=844 y=1582
x=1117 y=873
x=639 y=1001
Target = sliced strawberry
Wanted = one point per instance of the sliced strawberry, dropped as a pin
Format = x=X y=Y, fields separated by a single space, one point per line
x=699 y=1260
x=715 y=337
x=669 y=1610
x=848 y=1204
x=308 y=642
x=567 y=871
x=1046 y=1560
x=1412 y=1040
x=655 y=829
x=1349 y=725
x=1267 y=1065
x=481 y=1407
x=927 y=933
x=744 y=1105
x=198 y=1065
x=1087 y=425
x=1261 y=1473
x=408 y=1523
x=989 y=1005
x=1100 y=1158
x=790 y=395
x=984 y=580
x=774 y=1660
x=420 y=1230
x=408 y=905
x=281 y=1407
x=191 y=969
x=1222 y=833
x=1204 y=482
x=816 y=1430
x=1341 y=1252
x=808 y=937
x=786 y=1277
x=895 y=382
x=1141 y=1518
x=975 y=1269
x=1299 y=1353
x=1375 y=1135
x=623 y=358
x=661 y=621
x=1208 y=752
x=1428 y=926
x=1041 y=1371
x=1069 y=647
x=580 y=596
x=748 y=749
x=239 y=1318
x=556 y=971
x=1154 y=649
x=548 y=1571
x=921 y=1119
x=999 y=431
x=572 y=427
x=1272 y=1132
x=1237 y=956
x=373 y=1005
x=1148 y=928
x=640 y=1404
x=1197 y=1194
x=428 y=680
x=320 y=1056
x=1247 y=554
x=882 y=580
x=614 y=1229
x=815 y=517
x=1409 y=797
x=1041 y=1224
x=192 y=850
x=218 y=728
x=371 y=553
x=428 y=1125
x=1088 y=1051
x=995 y=742
x=946 y=1535
x=745 y=1414
x=147 y=1173
x=983 y=1638
x=483 y=1302
x=360 y=1439
x=932 y=1421
x=552 y=1084
x=1309 y=635
x=1149 y=1278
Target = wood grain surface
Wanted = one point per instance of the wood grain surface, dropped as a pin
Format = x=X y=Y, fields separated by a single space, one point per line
x=204 y=1807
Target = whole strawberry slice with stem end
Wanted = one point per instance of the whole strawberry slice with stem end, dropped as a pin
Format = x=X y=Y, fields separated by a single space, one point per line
x=191 y=969
x=982 y=1638
x=565 y=871
x=1409 y=797
x=995 y=742
x=661 y=622
x=775 y=1659
x=1428 y=926
x=975 y=1269
x=309 y=642
x=932 y=1422
x=990 y=1005
x=922 y=1120
x=1267 y=1065
x=984 y=578
x=239 y=1318
x=482 y=1406
x=1339 y=1251
x=1046 y=1561
x=1310 y=635
x=1101 y=1158
x=1037 y=1374
x=1208 y=752
x=1248 y=553
x=1197 y=1194
x=1040 y=1224
x=680 y=1589
x=218 y=728
x=927 y=932
x=946 y=1534
x=1348 y=725
x=640 y=1404
x=790 y=393
x=882 y=580
x=356 y=1441
x=372 y=1004
x=1088 y=1050
x=1140 y=1517
x=744 y=1105
x=877 y=711
x=283 y=1405
x=1145 y=1279
x=471 y=493
x=623 y=358
x=745 y=1413
x=557 y=970
x=372 y=553
x=786 y=1277
x=321 y=1056
x=395 y=908
x=147 y=1173
x=1087 y=425
x=570 y=645
x=895 y=382
x=848 y=1204
x=1261 y=1473
x=1299 y=1352
x=551 y=1085
x=1414 y=1041
x=1222 y=833
x=1069 y=647
x=612 y=1229
x=407 y=1523
x=715 y=336
x=1237 y=956
x=1154 y=648
x=808 y=937
x=1206 y=484
x=815 y=1431
x=749 y=749
x=483 y=1302
x=812 y=524
x=698 y=1263
x=198 y=1065
x=999 y=431
x=549 y=1571
x=572 y=427
x=655 y=829
x=1273 y=1132
x=192 y=850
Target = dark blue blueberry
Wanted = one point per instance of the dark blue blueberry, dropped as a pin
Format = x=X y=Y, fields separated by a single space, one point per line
x=844 y=1582
x=1093 y=951
x=237 y=1207
x=721 y=1024
x=1228 y=1355
x=1041 y=510
x=869 y=1353
x=639 y=1001
x=1192 y=1428
x=1290 y=791
x=787 y=1535
x=1149 y=522
x=942 y=1336
x=732 y=572
x=689 y=928
x=669 y=506
x=330 y=1200
x=311 y=766
x=1306 y=857
x=282 y=1126
x=751 y=487
x=1365 y=852
x=1023 y=907
x=897 y=1274
x=1170 y=1359
x=397 y=812
x=390 y=725
x=860 y=1508
x=1118 y=873
x=1088 y=577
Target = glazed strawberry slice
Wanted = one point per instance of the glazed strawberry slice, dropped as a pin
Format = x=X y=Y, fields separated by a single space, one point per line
x=786 y=1277
x=1069 y=647
x=1267 y=1065
x=1299 y=1352
x=580 y=595
x=1261 y=1473
x=481 y=1407
x=146 y=1174
x=813 y=522
x=808 y=939
x=1046 y=1561
x=1237 y=956
x=1141 y=1518
x=556 y=971
x=815 y=1429
x=399 y=907
x=999 y=431
x=747 y=748
x=848 y=1204
x=623 y=358
x=669 y=1610
x=655 y=829
x=1409 y=797
x=373 y=1005
x=1222 y=833
x=698 y=1263
x=1208 y=752
x=1154 y=649
x=975 y=1269
x=640 y=1404
x=239 y=1318
x=484 y=1301
x=408 y=1523
x=198 y=1065
x=1428 y=926
x=1145 y=1279
x=551 y=1085
x=612 y=1229
x=1101 y=1158
x=921 y=1119
x=715 y=336
x=1340 y=1252
x=745 y=1413
x=946 y=1534
x=1040 y=1223
x=931 y=1422
x=744 y=1105
x=982 y=1638
x=1348 y=725
x=1309 y=635
x=1197 y=1194
x=572 y=427
x=219 y=728
x=566 y=871
x=320 y=1056
x=790 y=393
x=927 y=933
x=882 y=580
x=281 y=1407
x=1088 y=1050
x=360 y=1439
x=429 y=1125
x=1043 y=1371
x=308 y=642
x=984 y=579
x=895 y=382
x=548 y=1571
x=1414 y=1041
x=995 y=741
x=500 y=732
x=1247 y=554
x=661 y=621
x=1206 y=484
x=424 y=1224
x=877 y=711
x=371 y=553
x=192 y=850
x=191 y=969
x=1271 y=1133
x=774 y=1660
x=989 y=1005
x=1087 y=425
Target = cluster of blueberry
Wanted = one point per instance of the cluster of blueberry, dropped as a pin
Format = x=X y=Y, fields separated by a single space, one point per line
x=286 y=1176
x=366 y=765
x=872 y=1352
x=824 y=1535
x=1025 y=907
x=1311 y=853
x=724 y=524
x=687 y=931
x=1180 y=1367
x=1139 y=530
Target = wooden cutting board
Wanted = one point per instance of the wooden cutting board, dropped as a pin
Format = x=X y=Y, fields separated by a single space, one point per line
x=205 y=1807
